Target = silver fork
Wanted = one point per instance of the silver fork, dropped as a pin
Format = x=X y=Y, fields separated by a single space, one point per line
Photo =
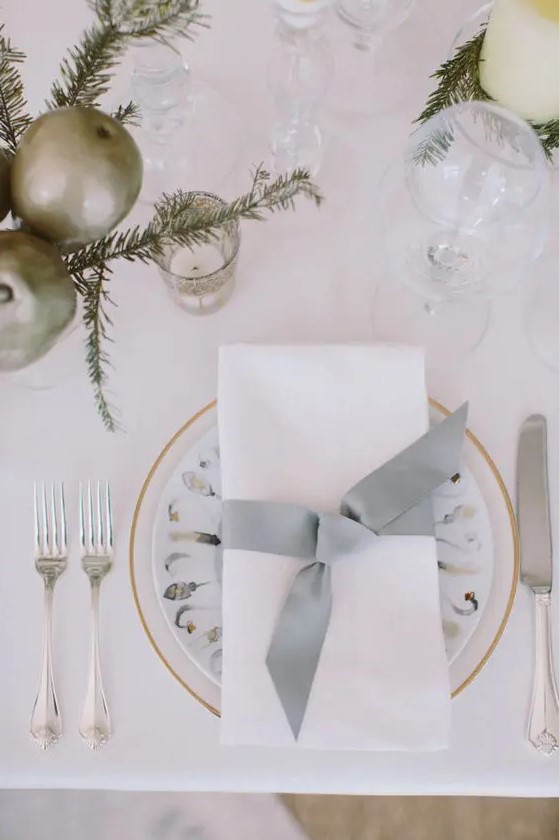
x=51 y=556
x=96 y=536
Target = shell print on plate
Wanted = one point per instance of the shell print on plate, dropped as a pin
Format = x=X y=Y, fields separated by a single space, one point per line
x=187 y=555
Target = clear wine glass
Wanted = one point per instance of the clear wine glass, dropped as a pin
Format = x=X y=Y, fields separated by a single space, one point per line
x=189 y=132
x=299 y=73
x=462 y=218
x=371 y=20
x=542 y=312
x=376 y=62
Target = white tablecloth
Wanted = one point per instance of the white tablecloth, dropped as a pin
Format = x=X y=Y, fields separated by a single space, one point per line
x=297 y=282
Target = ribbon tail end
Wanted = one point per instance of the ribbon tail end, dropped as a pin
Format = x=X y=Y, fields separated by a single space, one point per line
x=294 y=705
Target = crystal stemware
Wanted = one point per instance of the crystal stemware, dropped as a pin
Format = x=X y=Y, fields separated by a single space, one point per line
x=462 y=218
x=371 y=20
x=189 y=133
x=299 y=73
x=377 y=55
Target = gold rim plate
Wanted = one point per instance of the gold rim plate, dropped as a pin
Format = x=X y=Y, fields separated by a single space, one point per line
x=467 y=665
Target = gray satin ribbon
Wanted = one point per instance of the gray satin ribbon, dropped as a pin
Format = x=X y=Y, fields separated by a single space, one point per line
x=392 y=500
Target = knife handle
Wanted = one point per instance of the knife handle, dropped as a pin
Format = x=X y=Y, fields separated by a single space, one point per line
x=543 y=729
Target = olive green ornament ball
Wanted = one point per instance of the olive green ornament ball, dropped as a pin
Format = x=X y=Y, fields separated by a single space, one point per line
x=5 y=202
x=37 y=298
x=76 y=174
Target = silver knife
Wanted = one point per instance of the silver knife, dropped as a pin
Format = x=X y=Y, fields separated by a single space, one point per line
x=536 y=571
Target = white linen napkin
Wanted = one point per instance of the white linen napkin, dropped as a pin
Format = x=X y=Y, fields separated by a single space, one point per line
x=303 y=424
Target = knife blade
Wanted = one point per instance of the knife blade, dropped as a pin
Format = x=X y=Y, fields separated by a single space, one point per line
x=536 y=560
x=536 y=553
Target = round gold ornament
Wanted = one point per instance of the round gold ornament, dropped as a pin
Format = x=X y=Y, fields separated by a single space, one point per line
x=76 y=174
x=37 y=298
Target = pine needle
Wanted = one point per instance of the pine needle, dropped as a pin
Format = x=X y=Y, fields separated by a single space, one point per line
x=87 y=69
x=162 y=20
x=176 y=220
x=458 y=81
x=433 y=147
x=96 y=320
x=86 y=73
x=128 y=114
x=14 y=118
x=549 y=135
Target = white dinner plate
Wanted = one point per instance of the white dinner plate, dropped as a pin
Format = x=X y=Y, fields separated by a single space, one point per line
x=175 y=560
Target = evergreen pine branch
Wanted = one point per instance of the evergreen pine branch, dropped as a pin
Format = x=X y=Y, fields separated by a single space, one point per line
x=128 y=114
x=133 y=244
x=161 y=20
x=96 y=320
x=549 y=136
x=103 y=9
x=433 y=147
x=177 y=221
x=87 y=69
x=14 y=118
x=458 y=79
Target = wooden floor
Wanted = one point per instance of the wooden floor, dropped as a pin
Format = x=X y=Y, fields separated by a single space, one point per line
x=425 y=818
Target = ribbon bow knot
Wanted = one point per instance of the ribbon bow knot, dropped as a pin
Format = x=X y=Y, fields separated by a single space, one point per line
x=392 y=500
x=338 y=536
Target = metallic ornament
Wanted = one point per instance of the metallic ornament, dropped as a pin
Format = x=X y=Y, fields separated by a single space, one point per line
x=76 y=174
x=37 y=298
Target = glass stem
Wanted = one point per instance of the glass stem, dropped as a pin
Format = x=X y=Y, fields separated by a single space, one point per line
x=161 y=87
x=369 y=41
x=431 y=308
x=299 y=92
x=297 y=140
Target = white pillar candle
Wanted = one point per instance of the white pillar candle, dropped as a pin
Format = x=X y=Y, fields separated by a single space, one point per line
x=520 y=57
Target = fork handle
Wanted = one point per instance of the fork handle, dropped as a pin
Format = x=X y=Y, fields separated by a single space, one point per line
x=95 y=724
x=46 y=722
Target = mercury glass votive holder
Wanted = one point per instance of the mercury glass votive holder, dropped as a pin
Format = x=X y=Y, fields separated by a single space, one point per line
x=201 y=279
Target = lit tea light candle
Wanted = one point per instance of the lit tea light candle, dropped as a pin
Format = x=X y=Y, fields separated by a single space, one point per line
x=520 y=58
x=197 y=262
x=201 y=279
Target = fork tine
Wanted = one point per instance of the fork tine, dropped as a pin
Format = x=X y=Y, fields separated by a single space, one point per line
x=63 y=525
x=90 y=532
x=100 y=530
x=82 y=517
x=36 y=518
x=55 y=548
x=109 y=517
x=45 y=522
